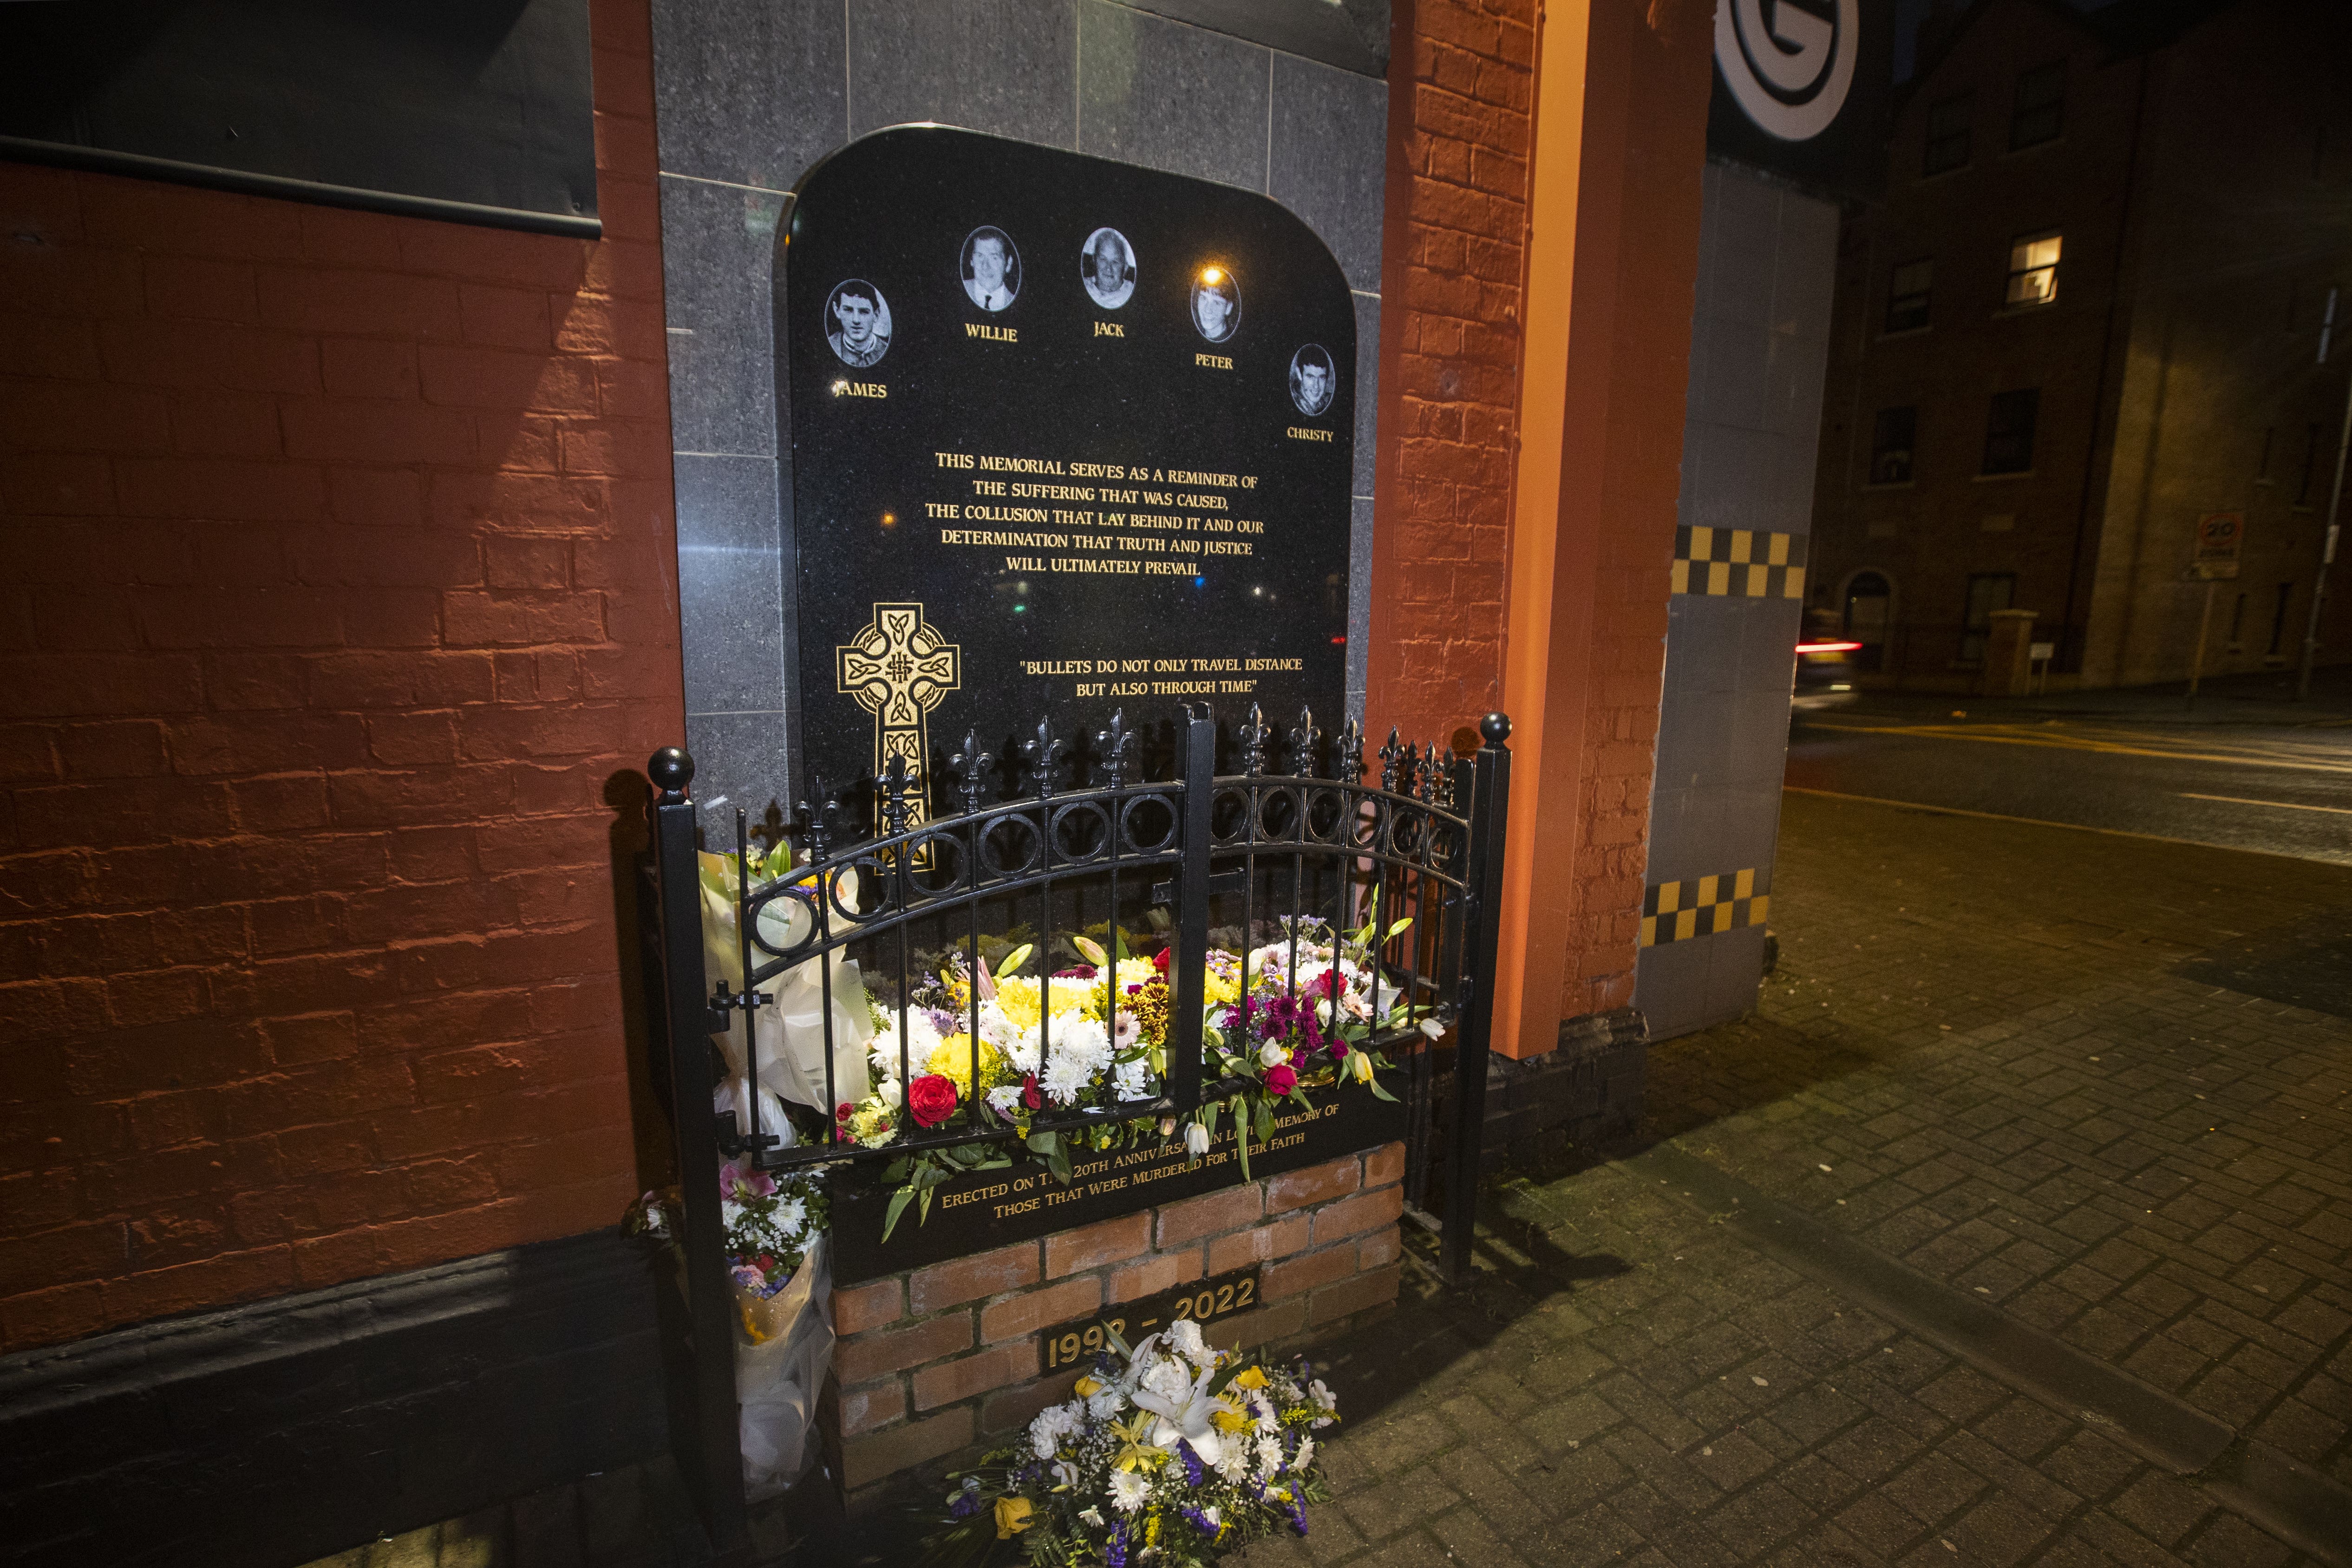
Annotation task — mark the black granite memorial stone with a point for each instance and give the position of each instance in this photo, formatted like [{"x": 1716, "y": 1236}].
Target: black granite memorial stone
[{"x": 1068, "y": 436}]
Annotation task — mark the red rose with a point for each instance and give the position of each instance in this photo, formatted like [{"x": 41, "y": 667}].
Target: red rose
[
  {"x": 1031, "y": 1095},
  {"x": 1281, "y": 1080},
  {"x": 1159, "y": 960},
  {"x": 844, "y": 1114},
  {"x": 931, "y": 1098}
]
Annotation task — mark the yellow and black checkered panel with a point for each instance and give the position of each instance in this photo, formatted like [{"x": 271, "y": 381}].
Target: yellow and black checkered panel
[
  {"x": 1741, "y": 561},
  {"x": 1702, "y": 906}
]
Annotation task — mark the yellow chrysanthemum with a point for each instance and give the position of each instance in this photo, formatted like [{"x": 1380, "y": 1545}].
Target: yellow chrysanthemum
[
  {"x": 951, "y": 1059},
  {"x": 1222, "y": 991},
  {"x": 1017, "y": 999},
  {"x": 1226, "y": 1418}
]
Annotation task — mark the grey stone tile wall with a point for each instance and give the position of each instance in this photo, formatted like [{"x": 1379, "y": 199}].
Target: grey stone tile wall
[
  {"x": 749, "y": 93},
  {"x": 1759, "y": 345}
]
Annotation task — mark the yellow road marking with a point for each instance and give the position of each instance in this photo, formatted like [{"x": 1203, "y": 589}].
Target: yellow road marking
[
  {"x": 2058, "y": 740},
  {"x": 2281, "y": 804}
]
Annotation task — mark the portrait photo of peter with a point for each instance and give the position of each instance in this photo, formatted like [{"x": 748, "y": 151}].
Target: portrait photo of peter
[
  {"x": 991, "y": 268},
  {"x": 857, "y": 323},
  {"x": 1107, "y": 266},
  {"x": 1311, "y": 381},
  {"x": 1216, "y": 304}
]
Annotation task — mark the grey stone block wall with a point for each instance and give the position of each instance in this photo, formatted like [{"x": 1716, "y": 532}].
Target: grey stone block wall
[
  {"x": 1760, "y": 346},
  {"x": 749, "y": 93}
]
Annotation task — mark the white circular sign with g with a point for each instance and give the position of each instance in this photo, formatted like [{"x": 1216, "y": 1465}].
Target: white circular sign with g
[{"x": 1787, "y": 67}]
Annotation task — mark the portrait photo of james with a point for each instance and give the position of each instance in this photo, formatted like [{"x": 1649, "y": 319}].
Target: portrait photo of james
[
  {"x": 1311, "y": 381},
  {"x": 857, "y": 323},
  {"x": 1216, "y": 304},
  {"x": 1107, "y": 264},
  {"x": 991, "y": 268}
]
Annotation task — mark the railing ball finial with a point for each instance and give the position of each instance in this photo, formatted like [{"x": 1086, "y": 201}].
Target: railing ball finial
[
  {"x": 1495, "y": 727},
  {"x": 671, "y": 769}
]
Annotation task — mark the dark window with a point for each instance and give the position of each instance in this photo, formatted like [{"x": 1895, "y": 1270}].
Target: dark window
[
  {"x": 2310, "y": 463},
  {"x": 2009, "y": 431},
  {"x": 1947, "y": 134},
  {"x": 2039, "y": 112},
  {"x": 1890, "y": 446},
  {"x": 2033, "y": 268},
  {"x": 1988, "y": 592},
  {"x": 2278, "y": 618},
  {"x": 1907, "y": 296}
]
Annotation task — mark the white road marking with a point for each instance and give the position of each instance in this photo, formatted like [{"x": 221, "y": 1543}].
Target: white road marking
[{"x": 2281, "y": 805}]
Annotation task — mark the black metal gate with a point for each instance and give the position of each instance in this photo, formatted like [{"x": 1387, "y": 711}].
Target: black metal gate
[{"x": 1278, "y": 850}]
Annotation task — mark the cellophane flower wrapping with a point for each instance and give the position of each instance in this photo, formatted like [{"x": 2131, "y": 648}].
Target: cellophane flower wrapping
[{"x": 1174, "y": 1455}]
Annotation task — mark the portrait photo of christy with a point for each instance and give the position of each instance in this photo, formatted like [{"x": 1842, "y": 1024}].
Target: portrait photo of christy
[
  {"x": 1311, "y": 382},
  {"x": 991, "y": 268},
  {"x": 1107, "y": 266},
  {"x": 857, "y": 323}
]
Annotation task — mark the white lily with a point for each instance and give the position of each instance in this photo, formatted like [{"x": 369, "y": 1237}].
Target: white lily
[{"x": 1183, "y": 1418}]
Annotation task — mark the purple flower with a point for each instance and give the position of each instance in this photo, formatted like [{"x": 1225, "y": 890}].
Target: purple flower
[
  {"x": 965, "y": 1505},
  {"x": 1115, "y": 1549},
  {"x": 1298, "y": 1516},
  {"x": 1191, "y": 1461},
  {"x": 1200, "y": 1522}
]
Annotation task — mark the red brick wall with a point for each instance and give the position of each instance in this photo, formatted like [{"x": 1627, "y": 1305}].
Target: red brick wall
[
  {"x": 340, "y": 582},
  {"x": 1461, "y": 93},
  {"x": 934, "y": 1361}
]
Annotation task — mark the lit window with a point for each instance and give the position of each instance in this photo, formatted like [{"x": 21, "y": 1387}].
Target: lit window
[
  {"x": 2039, "y": 112},
  {"x": 2033, "y": 270},
  {"x": 1890, "y": 446},
  {"x": 1907, "y": 296},
  {"x": 1947, "y": 134},
  {"x": 2009, "y": 431}
]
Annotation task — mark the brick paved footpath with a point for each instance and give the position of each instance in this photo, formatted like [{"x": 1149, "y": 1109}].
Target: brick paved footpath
[{"x": 1974, "y": 1025}]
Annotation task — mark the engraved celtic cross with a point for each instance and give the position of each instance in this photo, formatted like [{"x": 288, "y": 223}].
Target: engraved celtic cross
[{"x": 898, "y": 667}]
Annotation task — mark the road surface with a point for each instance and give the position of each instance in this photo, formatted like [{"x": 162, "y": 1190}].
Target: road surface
[{"x": 2283, "y": 788}]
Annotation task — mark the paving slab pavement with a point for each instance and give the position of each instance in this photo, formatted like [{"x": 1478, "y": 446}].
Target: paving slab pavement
[{"x": 1978, "y": 1073}]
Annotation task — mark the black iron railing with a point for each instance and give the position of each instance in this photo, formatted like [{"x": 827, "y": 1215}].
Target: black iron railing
[{"x": 1284, "y": 846}]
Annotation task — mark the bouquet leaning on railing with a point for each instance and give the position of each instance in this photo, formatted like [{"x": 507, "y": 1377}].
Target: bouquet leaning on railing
[{"x": 1173, "y": 1456}]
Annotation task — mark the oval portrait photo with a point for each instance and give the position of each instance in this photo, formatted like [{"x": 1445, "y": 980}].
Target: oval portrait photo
[
  {"x": 1312, "y": 380},
  {"x": 1107, "y": 264},
  {"x": 991, "y": 267},
  {"x": 1216, "y": 304},
  {"x": 857, "y": 323}
]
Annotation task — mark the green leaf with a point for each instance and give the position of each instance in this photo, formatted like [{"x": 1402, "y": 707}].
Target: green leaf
[
  {"x": 923, "y": 1207},
  {"x": 1044, "y": 1143},
  {"x": 1373, "y": 1083},
  {"x": 898, "y": 1206}
]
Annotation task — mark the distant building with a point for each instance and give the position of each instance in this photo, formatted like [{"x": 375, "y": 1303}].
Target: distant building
[{"x": 2089, "y": 313}]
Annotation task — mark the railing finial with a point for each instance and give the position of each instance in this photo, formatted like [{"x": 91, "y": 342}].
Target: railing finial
[
  {"x": 1043, "y": 756},
  {"x": 1395, "y": 756},
  {"x": 1254, "y": 736},
  {"x": 1117, "y": 743},
  {"x": 817, "y": 821},
  {"x": 671, "y": 769},
  {"x": 895, "y": 787},
  {"x": 1494, "y": 729},
  {"x": 1306, "y": 742},
  {"x": 1351, "y": 752},
  {"x": 971, "y": 765}
]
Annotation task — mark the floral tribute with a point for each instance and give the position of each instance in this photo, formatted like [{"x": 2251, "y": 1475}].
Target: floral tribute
[
  {"x": 769, "y": 1224},
  {"x": 1174, "y": 1457},
  {"x": 1290, "y": 1015}
]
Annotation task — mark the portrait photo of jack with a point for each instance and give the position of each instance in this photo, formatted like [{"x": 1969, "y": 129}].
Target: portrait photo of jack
[
  {"x": 1311, "y": 381},
  {"x": 858, "y": 322},
  {"x": 991, "y": 268},
  {"x": 1107, "y": 266},
  {"x": 1216, "y": 304}
]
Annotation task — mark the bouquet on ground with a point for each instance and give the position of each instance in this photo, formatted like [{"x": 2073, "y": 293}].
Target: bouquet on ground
[
  {"x": 1175, "y": 1456},
  {"x": 769, "y": 1224}
]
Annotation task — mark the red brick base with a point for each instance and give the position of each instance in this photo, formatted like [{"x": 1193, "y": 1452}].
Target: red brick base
[{"x": 944, "y": 1359}]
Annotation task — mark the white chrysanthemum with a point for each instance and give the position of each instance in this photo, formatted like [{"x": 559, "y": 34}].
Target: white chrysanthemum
[
  {"x": 731, "y": 1214},
  {"x": 1127, "y": 1490},
  {"x": 1234, "y": 1462},
  {"x": 921, "y": 1041},
  {"x": 1106, "y": 1403},
  {"x": 1066, "y": 1079},
  {"x": 1132, "y": 1080},
  {"x": 1050, "y": 1425},
  {"x": 1269, "y": 1455},
  {"x": 1006, "y": 1098},
  {"x": 1306, "y": 1456},
  {"x": 792, "y": 1216}
]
